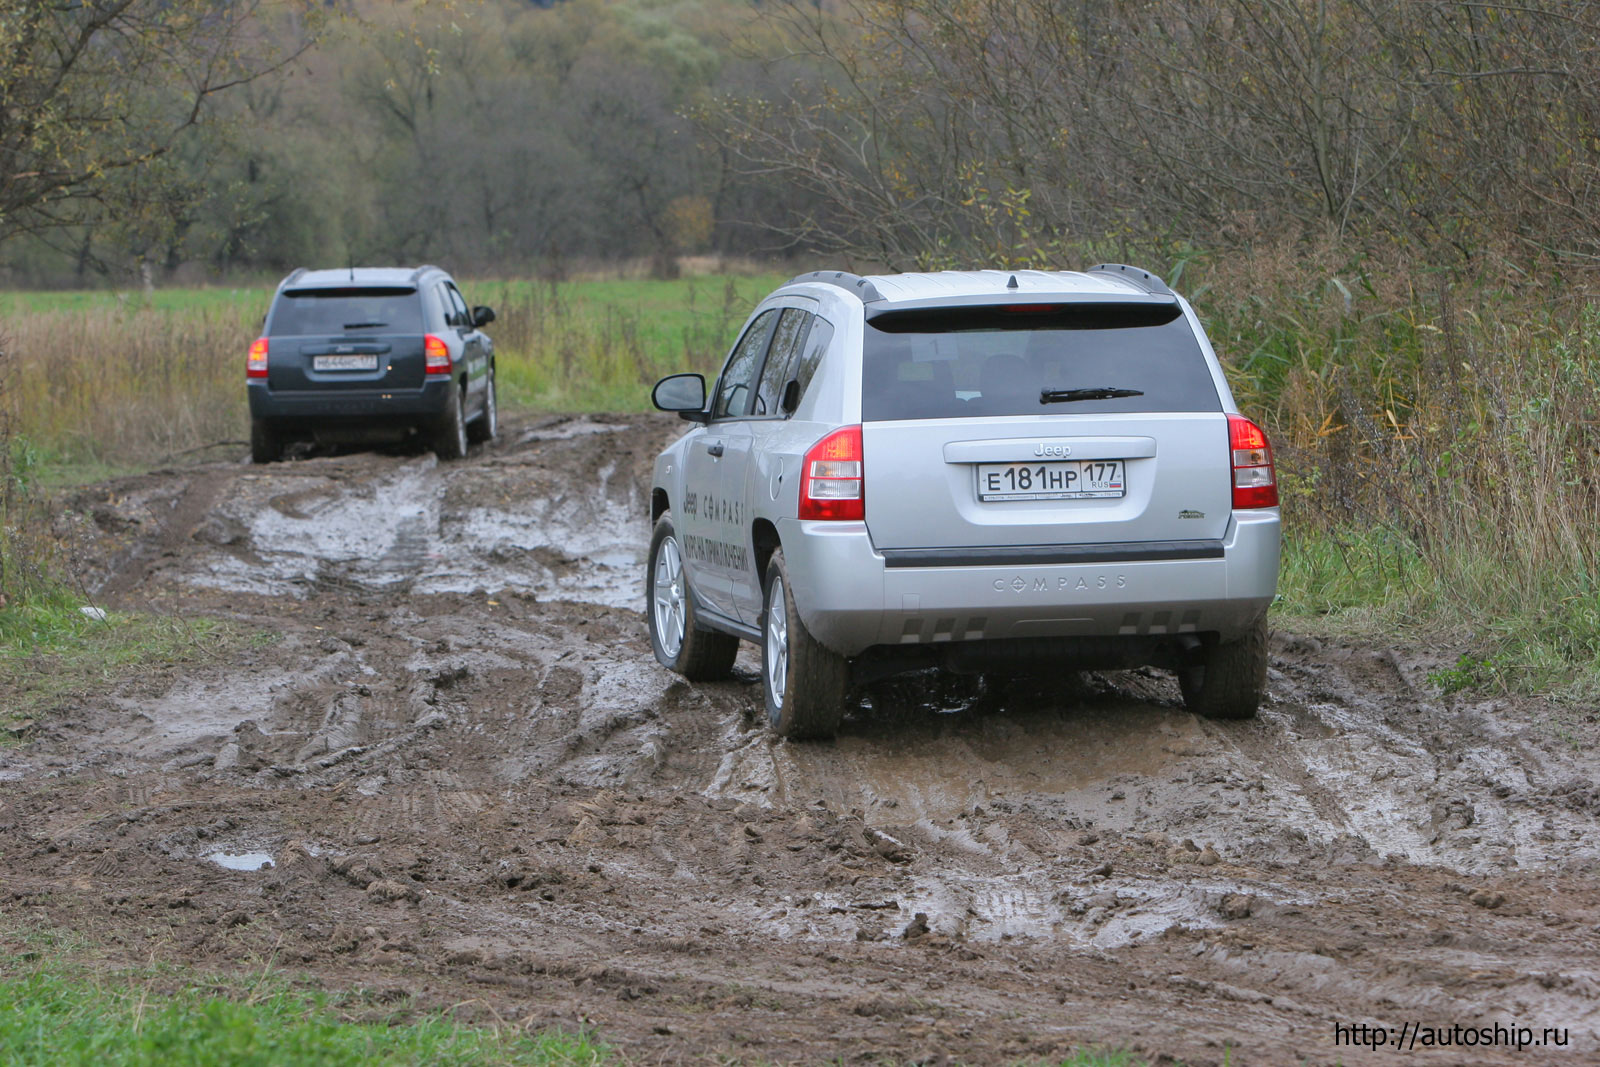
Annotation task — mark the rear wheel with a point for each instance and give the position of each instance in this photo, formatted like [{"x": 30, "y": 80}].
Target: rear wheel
[
  {"x": 804, "y": 682},
  {"x": 265, "y": 444},
  {"x": 1228, "y": 681},
  {"x": 698, "y": 655},
  {"x": 450, "y": 436},
  {"x": 487, "y": 425}
]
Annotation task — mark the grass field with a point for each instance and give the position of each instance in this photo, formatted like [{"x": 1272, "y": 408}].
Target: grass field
[{"x": 599, "y": 345}]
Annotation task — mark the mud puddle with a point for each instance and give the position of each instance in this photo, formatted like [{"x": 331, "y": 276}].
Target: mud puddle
[
  {"x": 241, "y": 861},
  {"x": 536, "y": 517},
  {"x": 474, "y": 785}
]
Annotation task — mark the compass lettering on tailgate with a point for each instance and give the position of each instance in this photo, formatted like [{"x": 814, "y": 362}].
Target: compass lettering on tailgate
[{"x": 1061, "y": 583}]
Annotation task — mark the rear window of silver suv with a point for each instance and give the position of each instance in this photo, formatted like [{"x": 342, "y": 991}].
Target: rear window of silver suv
[{"x": 1032, "y": 359}]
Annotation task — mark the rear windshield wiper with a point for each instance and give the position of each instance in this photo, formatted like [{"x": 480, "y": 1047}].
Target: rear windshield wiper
[
  {"x": 1099, "y": 392},
  {"x": 363, "y": 325}
]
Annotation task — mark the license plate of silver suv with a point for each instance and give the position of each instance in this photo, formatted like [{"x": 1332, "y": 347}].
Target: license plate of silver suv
[
  {"x": 1083, "y": 480},
  {"x": 985, "y": 472}
]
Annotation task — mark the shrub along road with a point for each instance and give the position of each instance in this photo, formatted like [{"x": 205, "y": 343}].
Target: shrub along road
[{"x": 474, "y": 785}]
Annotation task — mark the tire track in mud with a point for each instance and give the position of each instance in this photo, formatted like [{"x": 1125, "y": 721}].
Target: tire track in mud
[
  {"x": 476, "y": 785},
  {"x": 177, "y": 513}
]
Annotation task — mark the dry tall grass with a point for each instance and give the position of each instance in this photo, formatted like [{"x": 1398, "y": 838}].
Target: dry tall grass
[
  {"x": 1456, "y": 419},
  {"x": 128, "y": 387},
  {"x": 1440, "y": 448}
]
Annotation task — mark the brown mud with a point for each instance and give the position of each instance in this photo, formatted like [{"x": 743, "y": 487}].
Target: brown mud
[{"x": 456, "y": 772}]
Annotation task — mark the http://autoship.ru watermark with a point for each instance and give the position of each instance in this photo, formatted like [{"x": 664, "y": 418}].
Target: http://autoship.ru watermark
[{"x": 1414, "y": 1035}]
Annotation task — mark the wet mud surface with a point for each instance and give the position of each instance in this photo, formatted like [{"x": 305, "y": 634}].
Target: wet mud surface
[{"x": 455, "y": 772}]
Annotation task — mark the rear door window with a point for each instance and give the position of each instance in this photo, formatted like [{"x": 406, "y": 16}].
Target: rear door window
[
  {"x": 733, "y": 388},
  {"x": 441, "y": 303},
  {"x": 776, "y": 372},
  {"x": 941, "y": 363},
  {"x": 458, "y": 307},
  {"x": 334, "y": 311},
  {"x": 817, "y": 342}
]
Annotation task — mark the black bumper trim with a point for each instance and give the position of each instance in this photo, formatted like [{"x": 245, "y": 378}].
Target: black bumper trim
[
  {"x": 416, "y": 402},
  {"x": 1041, "y": 555}
]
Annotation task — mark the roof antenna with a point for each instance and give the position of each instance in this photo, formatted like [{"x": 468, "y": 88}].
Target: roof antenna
[
  {"x": 351, "y": 259},
  {"x": 1012, "y": 284}
]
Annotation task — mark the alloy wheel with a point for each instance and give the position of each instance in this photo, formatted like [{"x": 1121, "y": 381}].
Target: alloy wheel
[
  {"x": 461, "y": 426},
  {"x": 667, "y": 597},
  {"x": 777, "y": 659}
]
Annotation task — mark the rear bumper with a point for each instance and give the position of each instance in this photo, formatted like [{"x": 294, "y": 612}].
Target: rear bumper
[
  {"x": 427, "y": 402},
  {"x": 851, "y": 599}
]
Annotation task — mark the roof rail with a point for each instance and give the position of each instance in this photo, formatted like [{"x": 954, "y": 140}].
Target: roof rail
[
  {"x": 851, "y": 283},
  {"x": 1142, "y": 278},
  {"x": 417, "y": 274},
  {"x": 293, "y": 275}
]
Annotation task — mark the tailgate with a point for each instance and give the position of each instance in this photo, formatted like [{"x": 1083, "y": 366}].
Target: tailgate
[
  {"x": 926, "y": 480},
  {"x": 346, "y": 338},
  {"x": 1024, "y": 425},
  {"x": 336, "y": 363}
]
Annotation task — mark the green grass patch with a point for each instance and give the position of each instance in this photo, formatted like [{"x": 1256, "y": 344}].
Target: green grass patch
[
  {"x": 49, "y": 468},
  {"x": 1102, "y": 1058},
  {"x": 1526, "y": 631},
  {"x": 58, "y": 1016},
  {"x": 54, "y": 1014},
  {"x": 1345, "y": 572},
  {"x": 600, "y": 345},
  {"x": 51, "y": 649}
]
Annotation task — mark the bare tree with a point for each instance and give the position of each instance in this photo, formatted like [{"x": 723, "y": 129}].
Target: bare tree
[
  {"x": 993, "y": 131},
  {"x": 93, "y": 91}
]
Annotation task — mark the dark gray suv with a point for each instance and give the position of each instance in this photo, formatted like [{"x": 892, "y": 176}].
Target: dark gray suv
[{"x": 371, "y": 354}]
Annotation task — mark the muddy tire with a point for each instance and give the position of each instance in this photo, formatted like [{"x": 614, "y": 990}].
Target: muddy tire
[
  {"x": 486, "y": 426},
  {"x": 265, "y": 444},
  {"x": 802, "y": 682},
  {"x": 699, "y": 655},
  {"x": 450, "y": 435},
  {"x": 1230, "y": 680}
]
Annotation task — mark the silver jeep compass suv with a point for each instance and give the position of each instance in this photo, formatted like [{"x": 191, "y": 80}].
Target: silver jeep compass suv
[{"x": 977, "y": 471}]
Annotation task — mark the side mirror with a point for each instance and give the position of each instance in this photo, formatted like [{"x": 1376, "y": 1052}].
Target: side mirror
[
  {"x": 791, "y": 396},
  {"x": 482, "y": 316},
  {"x": 683, "y": 393}
]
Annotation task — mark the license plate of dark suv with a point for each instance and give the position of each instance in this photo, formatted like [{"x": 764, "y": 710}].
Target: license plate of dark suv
[
  {"x": 1073, "y": 480},
  {"x": 344, "y": 363}
]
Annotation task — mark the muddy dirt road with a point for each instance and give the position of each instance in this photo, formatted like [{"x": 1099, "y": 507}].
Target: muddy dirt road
[{"x": 474, "y": 785}]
